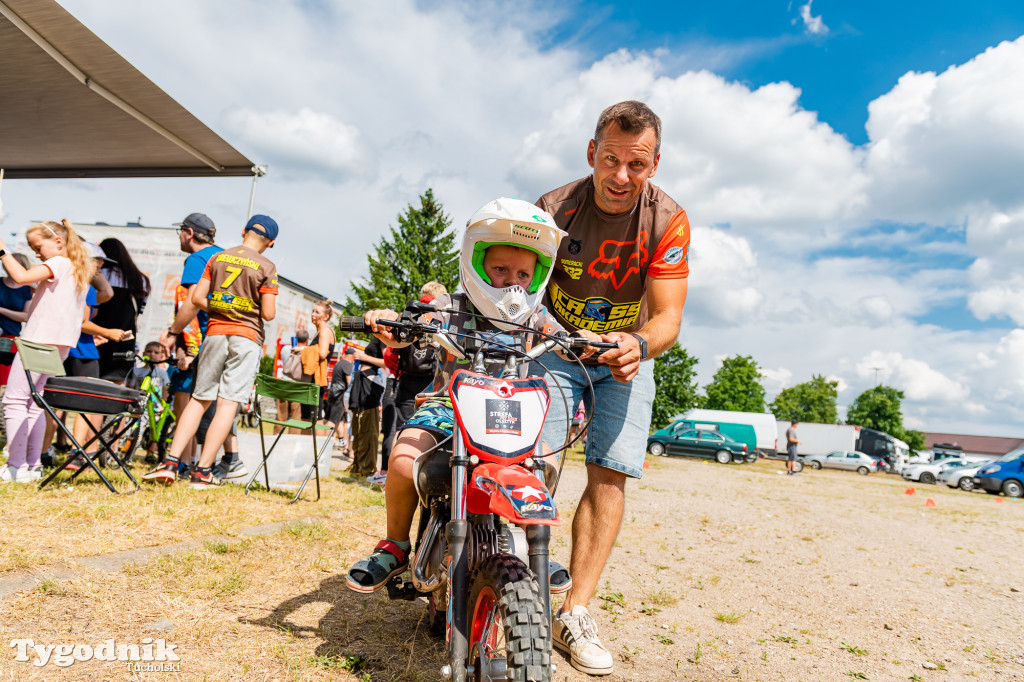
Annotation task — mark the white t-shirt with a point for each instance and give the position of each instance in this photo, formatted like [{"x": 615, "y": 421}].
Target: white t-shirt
[{"x": 55, "y": 311}]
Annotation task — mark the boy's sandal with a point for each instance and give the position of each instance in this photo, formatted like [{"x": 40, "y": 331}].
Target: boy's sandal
[
  {"x": 559, "y": 580},
  {"x": 369, "y": 575}
]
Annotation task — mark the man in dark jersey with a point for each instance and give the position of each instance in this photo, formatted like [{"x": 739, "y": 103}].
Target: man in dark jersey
[{"x": 622, "y": 273}]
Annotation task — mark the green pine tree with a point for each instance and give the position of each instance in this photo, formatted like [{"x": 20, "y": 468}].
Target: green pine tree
[{"x": 421, "y": 249}]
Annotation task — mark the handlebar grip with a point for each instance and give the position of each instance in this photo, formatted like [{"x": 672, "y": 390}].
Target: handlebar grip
[
  {"x": 602, "y": 344},
  {"x": 352, "y": 324}
]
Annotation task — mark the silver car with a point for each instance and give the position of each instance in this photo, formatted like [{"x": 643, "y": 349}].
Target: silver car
[
  {"x": 929, "y": 473},
  {"x": 851, "y": 460},
  {"x": 959, "y": 476}
]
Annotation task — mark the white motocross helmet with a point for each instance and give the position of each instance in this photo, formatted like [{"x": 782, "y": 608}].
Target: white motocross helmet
[{"x": 512, "y": 222}]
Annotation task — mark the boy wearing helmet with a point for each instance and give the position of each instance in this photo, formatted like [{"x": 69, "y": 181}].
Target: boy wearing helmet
[{"x": 504, "y": 266}]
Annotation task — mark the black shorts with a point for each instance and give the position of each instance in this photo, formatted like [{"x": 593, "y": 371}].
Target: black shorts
[{"x": 82, "y": 367}]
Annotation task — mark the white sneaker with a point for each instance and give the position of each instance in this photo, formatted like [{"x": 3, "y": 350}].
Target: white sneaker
[
  {"x": 9, "y": 474},
  {"x": 378, "y": 478},
  {"x": 34, "y": 474},
  {"x": 575, "y": 633}
]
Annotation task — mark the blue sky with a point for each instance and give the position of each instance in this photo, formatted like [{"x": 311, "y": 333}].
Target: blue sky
[
  {"x": 867, "y": 45},
  {"x": 851, "y": 171}
]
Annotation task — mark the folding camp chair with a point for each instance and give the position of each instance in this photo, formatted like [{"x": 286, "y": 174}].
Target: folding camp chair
[
  {"x": 298, "y": 392},
  {"x": 82, "y": 395}
]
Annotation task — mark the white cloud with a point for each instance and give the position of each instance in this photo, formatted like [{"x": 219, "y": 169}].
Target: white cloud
[
  {"x": 723, "y": 269},
  {"x": 945, "y": 144},
  {"x": 812, "y": 24},
  {"x": 305, "y": 142},
  {"x": 358, "y": 110}
]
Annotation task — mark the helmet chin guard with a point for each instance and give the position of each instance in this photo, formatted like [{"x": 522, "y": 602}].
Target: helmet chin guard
[{"x": 511, "y": 222}]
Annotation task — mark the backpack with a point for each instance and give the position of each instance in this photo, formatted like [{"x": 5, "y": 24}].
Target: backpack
[{"x": 291, "y": 368}]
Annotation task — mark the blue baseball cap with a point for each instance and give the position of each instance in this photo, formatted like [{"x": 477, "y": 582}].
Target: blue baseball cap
[{"x": 264, "y": 225}]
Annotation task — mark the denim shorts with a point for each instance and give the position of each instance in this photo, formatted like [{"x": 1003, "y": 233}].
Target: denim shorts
[{"x": 617, "y": 436}]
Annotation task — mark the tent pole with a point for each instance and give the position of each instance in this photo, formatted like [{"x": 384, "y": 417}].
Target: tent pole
[{"x": 257, "y": 171}]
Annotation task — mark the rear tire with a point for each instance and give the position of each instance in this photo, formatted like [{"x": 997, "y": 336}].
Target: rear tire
[
  {"x": 509, "y": 636},
  {"x": 927, "y": 477},
  {"x": 128, "y": 443},
  {"x": 656, "y": 449},
  {"x": 965, "y": 483},
  {"x": 863, "y": 471},
  {"x": 815, "y": 464},
  {"x": 723, "y": 456},
  {"x": 1013, "y": 488}
]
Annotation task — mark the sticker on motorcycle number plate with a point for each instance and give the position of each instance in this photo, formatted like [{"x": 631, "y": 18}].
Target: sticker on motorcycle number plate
[{"x": 504, "y": 416}]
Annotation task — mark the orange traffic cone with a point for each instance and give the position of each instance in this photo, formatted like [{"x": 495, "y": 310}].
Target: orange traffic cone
[
  {"x": 909, "y": 491},
  {"x": 999, "y": 500},
  {"x": 647, "y": 465},
  {"x": 929, "y": 502}
]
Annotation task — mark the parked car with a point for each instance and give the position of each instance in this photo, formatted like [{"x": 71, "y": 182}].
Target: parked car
[
  {"x": 1006, "y": 474},
  {"x": 699, "y": 443},
  {"x": 959, "y": 476},
  {"x": 929, "y": 473},
  {"x": 850, "y": 460}
]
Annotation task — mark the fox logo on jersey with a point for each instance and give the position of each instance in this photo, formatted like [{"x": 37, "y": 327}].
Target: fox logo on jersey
[{"x": 618, "y": 260}]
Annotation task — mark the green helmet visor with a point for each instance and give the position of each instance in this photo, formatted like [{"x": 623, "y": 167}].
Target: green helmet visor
[{"x": 539, "y": 274}]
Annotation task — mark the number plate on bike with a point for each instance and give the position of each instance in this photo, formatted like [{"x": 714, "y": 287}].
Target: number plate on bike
[{"x": 500, "y": 419}]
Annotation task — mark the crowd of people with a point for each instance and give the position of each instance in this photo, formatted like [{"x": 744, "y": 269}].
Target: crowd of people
[{"x": 604, "y": 256}]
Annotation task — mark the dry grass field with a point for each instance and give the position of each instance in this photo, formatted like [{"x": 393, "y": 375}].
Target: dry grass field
[{"x": 720, "y": 573}]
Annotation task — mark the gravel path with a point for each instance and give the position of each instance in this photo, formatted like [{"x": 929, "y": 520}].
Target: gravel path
[{"x": 739, "y": 572}]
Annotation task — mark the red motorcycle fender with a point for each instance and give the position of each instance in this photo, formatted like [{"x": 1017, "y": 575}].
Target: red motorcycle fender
[{"x": 512, "y": 493}]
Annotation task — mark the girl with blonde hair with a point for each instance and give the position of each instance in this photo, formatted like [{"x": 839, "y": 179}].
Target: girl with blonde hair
[
  {"x": 54, "y": 318},
  {"x": 316, "y": 356}
]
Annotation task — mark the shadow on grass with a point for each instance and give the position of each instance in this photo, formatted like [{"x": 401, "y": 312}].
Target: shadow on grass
[{"x": 367, "y": 634}]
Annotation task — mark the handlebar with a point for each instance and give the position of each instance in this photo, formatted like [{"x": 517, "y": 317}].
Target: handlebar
[{"x": 407, "y": 330}]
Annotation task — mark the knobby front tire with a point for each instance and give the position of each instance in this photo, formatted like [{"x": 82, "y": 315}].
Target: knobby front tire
[{"x": 506, "y": 617}]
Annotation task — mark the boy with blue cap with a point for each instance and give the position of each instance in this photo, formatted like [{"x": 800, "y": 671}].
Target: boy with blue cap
[{"x": 237, "y": 290}]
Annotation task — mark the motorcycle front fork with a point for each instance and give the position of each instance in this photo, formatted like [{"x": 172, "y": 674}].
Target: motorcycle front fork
[{"x": 538, "y": 538}]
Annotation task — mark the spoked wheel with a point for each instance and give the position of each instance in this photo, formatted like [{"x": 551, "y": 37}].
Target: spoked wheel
[
  {"x": 164, "y": 440},
  {"x": 125, "y": 445},
  {"x": 510, "y": 639},
  {"x": 656, "y": 449},
  {"x": 132, "y": 439},
  {"x": 723, "y": 456}
]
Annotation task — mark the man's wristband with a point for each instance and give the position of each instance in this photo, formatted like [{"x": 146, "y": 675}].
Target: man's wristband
[
  {"x": 3, "y": 252},
  {"x": 643, "y": 344}
]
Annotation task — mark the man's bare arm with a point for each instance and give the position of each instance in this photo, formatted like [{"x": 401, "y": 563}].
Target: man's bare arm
[
  {"x": 185, "y": 313},
  {"x": 665, "y": 301},
  {"x": 199, "y": 293}
]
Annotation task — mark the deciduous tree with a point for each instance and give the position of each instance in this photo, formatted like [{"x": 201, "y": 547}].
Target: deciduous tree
[
  {"x": 736, "y": 386},
  {"x": 811, "y": 401},
  {"x": 675, "y": 385},
  {"x": 881, "y": 408}
]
